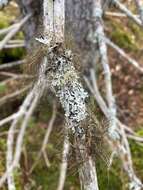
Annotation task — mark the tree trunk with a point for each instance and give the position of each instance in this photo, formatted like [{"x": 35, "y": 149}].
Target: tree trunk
[
  {"x": 33, "y": 26},
  {"x": 78, "y": 24}
]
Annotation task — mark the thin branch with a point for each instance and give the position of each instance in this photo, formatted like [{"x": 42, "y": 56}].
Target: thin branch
[
  {"x": 135, "y": 138},
  {"x": 9, "y": 159},
  {"x": 16, "y": 42},
  {"x": 98, "y": 34},
  {"x": 9, "y": 74},
  {"x": 13, "y": 162},
  {"x": 117, "y": 14},
  {"x": 16, "y": 78},
  {"x": 46, "y": 139},
  {"x": 122, "y": 147},
  {"x": 25, "y": 111},
  {"x": 124, "y": 55},
  {"x": 94, "y": 90},
  {"x": 64, "y": 164},
  {"x": 4, "y": 99},
  {"x": 14, "y": 31},
  {"x": 12, "y": 64},
  {"x": 8, "y": 119},
  {"x": 139, "y": 5},
  {"x": 127, "y": 12},
  {"x": 6, "y": 30},
  {"x": 10, "y": 46}
]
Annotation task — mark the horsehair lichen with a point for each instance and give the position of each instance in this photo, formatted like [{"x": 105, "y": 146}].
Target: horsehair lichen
[
  {"x": 65, "y": 81},
  {"x": 82, "y": 122},
  {"x": 95, "y": 142}
]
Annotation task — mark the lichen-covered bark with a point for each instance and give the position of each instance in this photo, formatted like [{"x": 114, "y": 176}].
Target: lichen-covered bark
[
  {"x": 62, "y": 77},
  {"x": 65, "y": 81}
]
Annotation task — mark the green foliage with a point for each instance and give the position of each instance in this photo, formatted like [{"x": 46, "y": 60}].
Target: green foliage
[
  {"x": 4, "y": 20},
  {"x": 2, "y": 144},
  {"x": 140, "y": 131},
  {"x": 123, "y": 38},
  {"x": 18, "y": 177},
  {"x": 137, "y": 153},
  {"x": 31, "y": 123},
  {"x": 47, "y": 177},
  {"x": 138, "y": 33},
  {"x": 3, "y": 88},
  {"x": 109, "y": 179},
  {"x": 2, "y": 156},
  {"x": 8, "y": 55}
]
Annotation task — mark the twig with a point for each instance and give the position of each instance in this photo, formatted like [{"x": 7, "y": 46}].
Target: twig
[
  {"x": 122, "y": 147},
  {"x": 98, "y": 32},
  {"x": 14, "y": 31},
  {"x": 25, "y": 111},
  {"x": 13, "y": 162},
  {"x": 5, "y": 133},
  {"x": 64, "y": 164},
  {"x": 127, "y": 12},
  {"x": 135, "y": 138},
  {"x": 123, "y": 54},
  {"x": 12, "y": 64},
  {"x": 6, "y": 30},
  {"x": 8, "y": 119},
  {"x": 46, "y": 158},
  {"x": 46, "y": 139},
  {"x": 9, "y": 74},
  {"x": 15, "y": 78},
  {"x": 12, "y": 95},
  {"x": 16, "y": 42},
  {"x": 9, "y": 159},
  {"x": 94, "y": 90},
  {"x": 139, "y": 5},
  {"x": 9, "y": 46},
  {"x": 117, "y": 14}
]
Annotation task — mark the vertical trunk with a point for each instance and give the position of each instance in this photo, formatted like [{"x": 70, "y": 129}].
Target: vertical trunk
[
  {"x": 33, "y": 7},
  {"x": 87, "y": 170},
  {"x": 78, "y": 23}
]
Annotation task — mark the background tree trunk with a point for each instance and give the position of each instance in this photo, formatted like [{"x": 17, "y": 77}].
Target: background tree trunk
[
  {"x": 33, "y": 26},
  {"x": 78, "y": 25}
]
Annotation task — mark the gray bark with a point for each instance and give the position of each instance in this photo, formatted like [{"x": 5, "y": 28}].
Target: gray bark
[
  {"x": 31, "y": 28},
  {"x": 78, "y": 24}
]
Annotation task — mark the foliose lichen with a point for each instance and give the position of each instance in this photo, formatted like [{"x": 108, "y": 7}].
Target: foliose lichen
[{"x": 65, "y": 81}]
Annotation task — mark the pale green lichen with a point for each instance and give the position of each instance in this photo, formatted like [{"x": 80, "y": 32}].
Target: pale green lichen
[{"x": 64, "y": 80}]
